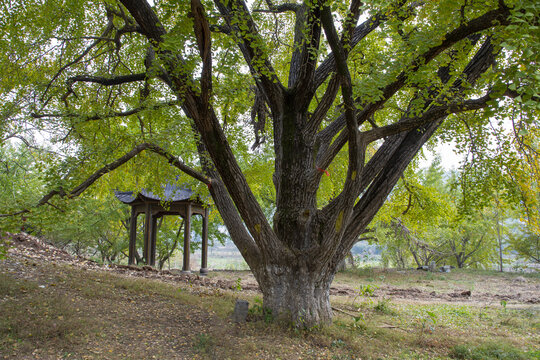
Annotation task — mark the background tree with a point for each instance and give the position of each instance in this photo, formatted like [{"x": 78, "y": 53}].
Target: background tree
[
  {"x": 425, "y": 217},
  {"x": 352, "y": 90},
  {"x": 500, "y": 173},
  {"x": 415, "y": 214},
  {"x": 20, "y": 185},
  {"x": 470, "y": 241},
  {"x": 527, "y": 245}
]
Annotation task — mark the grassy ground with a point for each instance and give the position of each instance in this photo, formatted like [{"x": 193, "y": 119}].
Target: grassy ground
[
  {"x": 51, "y": 311},
  {"x": 505, "y": 285}
]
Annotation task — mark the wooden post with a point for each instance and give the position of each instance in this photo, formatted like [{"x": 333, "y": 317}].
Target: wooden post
[
  {"x": 132, "y": 236},
  {"x": 187, "y": 234},
  {"x": 204, "y": 247},
  {"x": 153, "y": 235},
  {"x": 147, "y": 233}
]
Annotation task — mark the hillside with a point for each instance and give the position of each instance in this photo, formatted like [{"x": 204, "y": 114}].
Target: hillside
[{"x": 54, "y": 305}]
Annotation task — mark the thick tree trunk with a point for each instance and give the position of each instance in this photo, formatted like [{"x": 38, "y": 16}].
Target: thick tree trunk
[{"x": 298, "y": 296}]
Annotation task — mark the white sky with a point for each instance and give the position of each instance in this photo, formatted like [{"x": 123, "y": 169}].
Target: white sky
[{"x": 449, "y": 159}]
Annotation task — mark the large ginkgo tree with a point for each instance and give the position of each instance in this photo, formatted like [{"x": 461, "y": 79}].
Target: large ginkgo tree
[{"x": 298, "y": 116}]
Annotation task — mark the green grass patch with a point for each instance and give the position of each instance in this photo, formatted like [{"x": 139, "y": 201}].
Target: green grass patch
[
  {"x": 384, "y": 306},
  {"x": 205, "y": 344},
  {"x": 489, "y": 351}
]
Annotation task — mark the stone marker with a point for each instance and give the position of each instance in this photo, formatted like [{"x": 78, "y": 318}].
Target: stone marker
[
  {"x": 240, "y": 311},
  {"x": 432, "y": 266}
]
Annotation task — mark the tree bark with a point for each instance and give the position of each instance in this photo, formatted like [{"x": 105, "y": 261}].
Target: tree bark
[
  {"x": 499, "y": 240},
  {"x": 298, "y": 295}
]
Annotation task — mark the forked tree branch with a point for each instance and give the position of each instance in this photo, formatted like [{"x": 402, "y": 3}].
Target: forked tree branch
[
  {"x": 355, "y": 34},
  {"x": 333, "y": 86},
  {"x": 208, "y": 126},
  {"x": 359, "y": 33},
  {"x": 107, "y": 81},
  {"x": 307, "y": 36},
  {"x": 405, "y": 147},
  {"x": 235, "y": 11},
  {"x": 108, "y": 29}
]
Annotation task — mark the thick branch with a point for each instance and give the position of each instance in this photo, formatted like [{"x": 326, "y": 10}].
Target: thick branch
[
  {"x": 361, "y": 31},
  {"x": 204, "y": 42},
  {"x": 404, "y": 147},
  {"x": 333, "y": 86},
  {"x": 481, "y": 23},
  {"x": 146, "y": 18},
  {"x": 151, "y": 27},
  {"x": 356, "y": 143},
  {"x": 306, "y": 43},
  {"x": 250, "y": 46},
  {"x": 223, "y": 158},
  {"x": 433, "y": 113},
  {"x": 352, "y": 36},
  {"x": 277, "y": 9},
  {"x": 78, "y": 190},
  {"x": 327, "y": 100},
  {"x": 205, "y": 119},
  {"x": 107, "y": 81},
  {"x": 229, "y": 212},
  {"x": 105, "y": 115}
]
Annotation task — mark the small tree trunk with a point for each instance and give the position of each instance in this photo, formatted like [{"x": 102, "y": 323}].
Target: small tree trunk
[
  {"x": 499, "y": 240},
  {"x": 415, "y": 257},
  {"x": 350, "y": 258},
  {"x": 459, "y": 260},
  {"x": 138, "y": 258},
  {"x": 298, "y": 296}
]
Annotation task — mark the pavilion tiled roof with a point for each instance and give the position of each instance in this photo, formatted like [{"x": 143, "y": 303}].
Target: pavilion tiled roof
[{"x": 171, "y": 193}]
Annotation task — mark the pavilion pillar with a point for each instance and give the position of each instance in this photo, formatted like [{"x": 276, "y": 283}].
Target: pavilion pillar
[
  {"x": 187, "y": 240},
  {"x": 204, "y": 250},
  {"x": 153, "y": 235},
  {"x": 132, "y": 236},
  {"x": 147, "y": 233}
]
